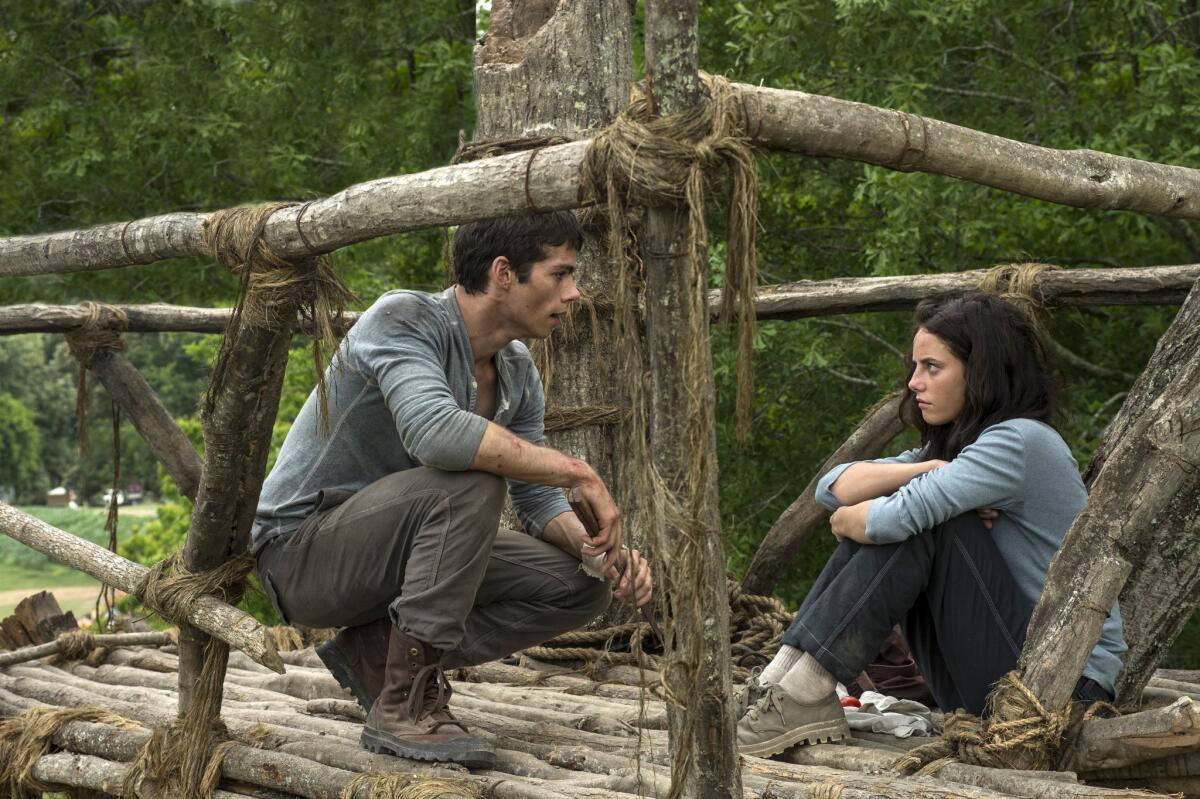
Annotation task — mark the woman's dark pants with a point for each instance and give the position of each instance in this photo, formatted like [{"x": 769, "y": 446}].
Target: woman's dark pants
[{"x": 954, "y": 597}]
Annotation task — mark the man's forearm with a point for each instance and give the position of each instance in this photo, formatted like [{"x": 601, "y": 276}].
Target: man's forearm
[
  {"x": 503, "y": 453},
  {"x": 864, "y": 481}
]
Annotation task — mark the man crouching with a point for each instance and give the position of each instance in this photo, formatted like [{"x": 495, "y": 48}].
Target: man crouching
[{"x": 389, "y": 525}]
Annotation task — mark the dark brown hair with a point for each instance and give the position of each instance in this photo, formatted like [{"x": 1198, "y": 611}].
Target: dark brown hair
[
  {"x": 521, "y": 239},
  {"x": 1005, "y": 370}
]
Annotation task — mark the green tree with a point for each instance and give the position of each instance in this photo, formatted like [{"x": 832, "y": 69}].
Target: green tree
[{"x": 21, "y": 475}]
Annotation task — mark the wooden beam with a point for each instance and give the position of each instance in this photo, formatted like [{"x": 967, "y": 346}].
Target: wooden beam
[
  {"x": 789, "y": 532},
  {"x": 549, "y": 179},
  {"x": 150, "y": 418},
  {"x": 1066, "y": 288},
  {"x": 235, "y": 627},
  {"x": 703, "y": 738}
]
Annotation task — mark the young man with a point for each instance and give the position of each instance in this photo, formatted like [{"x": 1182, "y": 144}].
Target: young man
[{"x": 389, "y": 525}]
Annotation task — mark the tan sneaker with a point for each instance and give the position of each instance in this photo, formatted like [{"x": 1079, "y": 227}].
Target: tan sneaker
[
  {"x": 746, "y": 695},
  {"x": 777, "y": 721}
]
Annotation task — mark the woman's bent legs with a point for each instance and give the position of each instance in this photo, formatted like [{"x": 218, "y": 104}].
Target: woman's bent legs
[{"x": 962, "y": 611}]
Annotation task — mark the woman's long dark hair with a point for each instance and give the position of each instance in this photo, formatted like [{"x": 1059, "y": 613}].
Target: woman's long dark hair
[{"x": 1006, "y": 372}]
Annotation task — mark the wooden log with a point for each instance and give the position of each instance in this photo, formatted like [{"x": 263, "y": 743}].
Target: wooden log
[
  {"x": 235, "y": 627},
  {"x": 702, "y": 727},
  {"x": 811, "y": 124},
  {"x": 1137, "y": 737},
  {"x": 96, "y": 774},
  {"x": 1143, "y": 498},
  {"x": 650, "y": 715},
  {"x": 106, "y": 640},
  {"x": 510, "y": 184},
  {"x": 1183, "y": 675},
  {"x": 41, "y": 616},
  {"x": 502, "y": 673},
  {"x": 1028, "y": 784},
  {"x": 1056, "y": 287},
  {"x": 1163, "y": 591},
  {"x": 819, "y": 781},
  {"x": 1181, "y": 765},
  {"x": 789, "y": 532},
  {"x": 150, "y": 418},
  {"x": 1147, "y": 285}
]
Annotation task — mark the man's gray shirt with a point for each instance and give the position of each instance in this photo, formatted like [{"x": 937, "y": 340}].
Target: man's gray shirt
[
  {"x": 401, "y": 395},
  {"x": 1024, "y": 469}
]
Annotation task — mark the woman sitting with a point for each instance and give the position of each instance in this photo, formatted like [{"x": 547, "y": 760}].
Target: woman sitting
[{"x": 951, "y": 540}]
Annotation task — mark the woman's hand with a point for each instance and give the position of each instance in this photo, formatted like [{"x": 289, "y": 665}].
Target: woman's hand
[
  {"x": 636, "y": 586},
  {"x": 988, "y": 515},
  {"x": 850, "y": 521}
]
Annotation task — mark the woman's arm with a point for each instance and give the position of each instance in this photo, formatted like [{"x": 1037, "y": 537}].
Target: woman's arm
[{"x": 868, "y": 480}]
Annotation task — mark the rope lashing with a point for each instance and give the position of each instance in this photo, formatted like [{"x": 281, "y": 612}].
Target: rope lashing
[
  {"x": 26, "y": 738},
  {"x": 172, "y": 591},
  {"x": 1020, "y": 733},
  {"x": 100, "y": 329},
  {"x": 274, "y": 290},
  {"x": 681, "y": 160},
  {"x": 570, "y": 417},
  {"x": 408, "y": 786}
]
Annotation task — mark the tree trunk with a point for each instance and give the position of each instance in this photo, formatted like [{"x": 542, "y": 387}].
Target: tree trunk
[
  {"x": 170, "y": 446},
  {"x": 1163, "y": 591},
  {"x": 1139, "y": 519},
  {"x": 703, "y": 740},
  {"x": 785, "y": 538},
  {"x": 562, "y": 69}
]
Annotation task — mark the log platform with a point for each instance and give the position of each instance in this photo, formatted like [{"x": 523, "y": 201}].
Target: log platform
[{"x": 558, "y": 734}]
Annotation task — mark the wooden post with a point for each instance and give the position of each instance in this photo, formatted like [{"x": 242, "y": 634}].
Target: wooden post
[
  {"x": 237, "y": 436},
  {"x": 703, "y": 734},
  {"x": 793, "y": 527},
  {"x": 126, "y": 385},
  {"x": 563, "y": 69},
  {"x": 1143, "y": 499}
]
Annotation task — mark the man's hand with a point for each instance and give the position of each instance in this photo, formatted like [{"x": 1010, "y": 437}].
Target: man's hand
[
  {"x": 591, "y": 498},
  {"x": 850, "y": 521},
  {"x": 636, "y": 586}
]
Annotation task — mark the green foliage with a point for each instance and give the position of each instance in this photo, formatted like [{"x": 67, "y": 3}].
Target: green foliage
[{"x": 20, "y": 450}]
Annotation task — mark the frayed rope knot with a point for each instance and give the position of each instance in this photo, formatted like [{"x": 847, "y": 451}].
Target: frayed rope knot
[
  {"x": 1020, "y": 733},
  {"x": 75, "y": 645},
  {"x": 273, "y": 290},
  {"x": 100, "y": 329},
  {"x": 171, "y": 590}
]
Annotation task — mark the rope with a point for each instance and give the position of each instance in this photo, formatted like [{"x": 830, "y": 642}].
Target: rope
[
  {"x": 76, "y": 645},
  {"x": 1017, "y": 285},
  {"x": 173, "y": 591},
  {"x": 100, "y": 329},
  {"x": 1019, "y": 733},
  {"x": 756, "y": 625},
  {"x": 273, "y": 290},
  {"x": 569, "y": 417},
  {"x": 407, "y": 786},
  {"x": 25, "y": 738}
]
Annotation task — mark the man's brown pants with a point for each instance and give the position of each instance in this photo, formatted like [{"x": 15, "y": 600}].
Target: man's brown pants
[{"x": 425, "y": 546}]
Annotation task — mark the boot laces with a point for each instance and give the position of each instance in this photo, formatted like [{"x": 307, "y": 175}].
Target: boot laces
[{"x": 430, "y": 696}]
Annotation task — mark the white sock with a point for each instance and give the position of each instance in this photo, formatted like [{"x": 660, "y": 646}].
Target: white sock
[
  {"x": 807, "y": 681},
  {"x": 784, "y": 659}
]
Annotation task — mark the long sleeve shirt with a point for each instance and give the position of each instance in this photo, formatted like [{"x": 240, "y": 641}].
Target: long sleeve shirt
[
  {"x": 1024, "y": 469},
  {"x": 401, "y": 395}
]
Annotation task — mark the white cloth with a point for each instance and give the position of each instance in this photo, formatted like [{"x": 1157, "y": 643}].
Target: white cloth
[{"x": 887, "y": 714}]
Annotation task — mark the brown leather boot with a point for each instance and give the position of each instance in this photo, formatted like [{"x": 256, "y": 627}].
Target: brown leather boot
[
  {"x": 357, "y": 658},
  {"x": 411, "y": 718}
]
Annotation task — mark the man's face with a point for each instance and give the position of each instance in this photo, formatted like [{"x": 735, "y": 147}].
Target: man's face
[{"x": 537, "y": 305}]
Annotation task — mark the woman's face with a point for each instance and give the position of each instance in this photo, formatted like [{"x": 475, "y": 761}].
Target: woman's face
[{"x": 940, "y": 380}]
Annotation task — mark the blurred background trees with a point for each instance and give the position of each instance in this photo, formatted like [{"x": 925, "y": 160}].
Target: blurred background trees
[{"x": 127, "y": 108}]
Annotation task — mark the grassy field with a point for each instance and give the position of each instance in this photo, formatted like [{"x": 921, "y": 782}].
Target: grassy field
[{"x": 24, "y": 571}]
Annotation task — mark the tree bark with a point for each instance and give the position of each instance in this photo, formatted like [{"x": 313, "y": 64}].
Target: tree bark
[
  {"x": 703, "y": 740},
  {"x": 235, "y": 627},
  {"x": 157, "y": 427},
  {"x": 789, "y": 532},
  {"x": 1143, "y": 500},
  {"x": 1146, "y": 285},
  {"x": 1136, "y": 738},
  {"x": 506, "y": 185},
  {"x": 563, "y": 69},
  {"x": 1163, "y": 591}
]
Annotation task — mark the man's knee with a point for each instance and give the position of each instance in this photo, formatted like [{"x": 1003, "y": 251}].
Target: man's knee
[{"x": 486, "y": 491}]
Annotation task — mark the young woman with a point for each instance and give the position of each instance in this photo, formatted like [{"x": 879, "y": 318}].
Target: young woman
[{"x": 951, "y": 540}]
